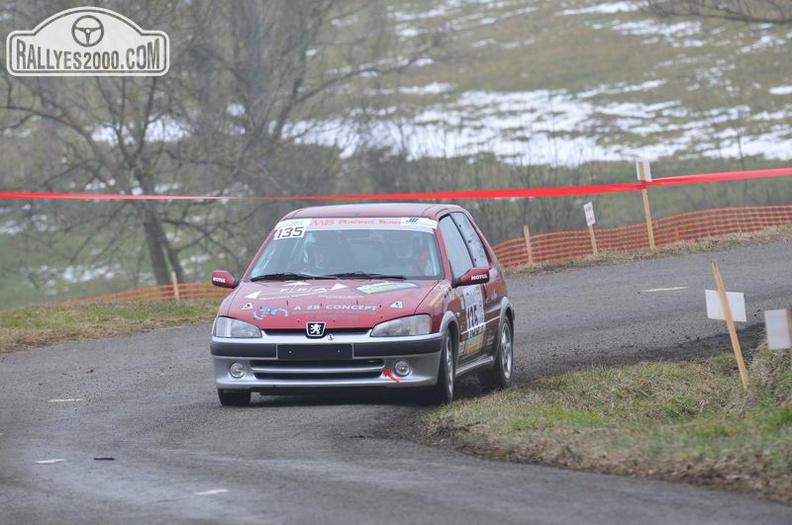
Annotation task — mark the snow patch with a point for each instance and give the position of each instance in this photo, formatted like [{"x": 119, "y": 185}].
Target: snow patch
[
  {"x": 554, "y": 127},
  {"x": 603, "y": 8},
  {"x": 781, "y": 90}
]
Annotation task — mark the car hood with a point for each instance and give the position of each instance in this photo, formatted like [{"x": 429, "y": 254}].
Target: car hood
[{"x": 339, "y": 303}]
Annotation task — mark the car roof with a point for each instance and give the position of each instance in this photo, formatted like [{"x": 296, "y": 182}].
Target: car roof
[{"x": 391, "y": 209}]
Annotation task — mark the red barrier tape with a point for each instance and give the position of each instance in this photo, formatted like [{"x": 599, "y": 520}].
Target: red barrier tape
[
  {"x": 720, "y": 177},
  {"x": 437, "y": 195}
]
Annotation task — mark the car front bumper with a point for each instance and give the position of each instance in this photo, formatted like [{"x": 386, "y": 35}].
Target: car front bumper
[{"x": 293, "y": 363}]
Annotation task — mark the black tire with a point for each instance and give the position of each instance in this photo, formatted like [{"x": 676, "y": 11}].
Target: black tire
[
  {"x": 443, "y": 392},
  {"x": 233, "y": 398},
  {"x": 500, "y": 375}
]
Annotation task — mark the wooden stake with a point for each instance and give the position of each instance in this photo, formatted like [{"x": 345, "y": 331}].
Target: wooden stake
[
  {"x": 593, "y": 240},
  {"x": 527, "y": 235},
  {"x": 730, "y": 324},
  {"x": 789, "y": 326},
  {"x": 175, "y": 284},
  {"x": 647, "y": 209}
]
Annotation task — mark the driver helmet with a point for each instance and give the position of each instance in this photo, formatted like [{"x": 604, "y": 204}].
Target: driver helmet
[
  {"x": 319, "y": 252},
  {"x": 403, "y": 244}
]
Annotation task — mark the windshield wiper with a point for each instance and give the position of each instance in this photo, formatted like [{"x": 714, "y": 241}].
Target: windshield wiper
[
  {"x": 364, "y": 275},
  {"x": 286, "y": 277}
]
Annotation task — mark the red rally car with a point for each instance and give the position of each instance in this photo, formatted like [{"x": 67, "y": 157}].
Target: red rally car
[{"x": 365, "y": 296}]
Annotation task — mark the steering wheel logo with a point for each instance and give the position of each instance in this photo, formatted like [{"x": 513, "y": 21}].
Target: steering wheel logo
[{"x": 87, "y": 31}]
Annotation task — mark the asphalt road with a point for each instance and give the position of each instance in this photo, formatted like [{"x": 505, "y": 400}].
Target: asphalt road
[{"x": 131, "y": 430}]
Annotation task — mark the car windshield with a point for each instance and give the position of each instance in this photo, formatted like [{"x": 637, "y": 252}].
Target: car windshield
[{"x": 360, "y": 248}]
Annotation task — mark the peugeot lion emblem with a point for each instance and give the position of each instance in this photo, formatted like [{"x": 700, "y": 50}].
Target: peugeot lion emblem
[{"x": 315, "y": 329}]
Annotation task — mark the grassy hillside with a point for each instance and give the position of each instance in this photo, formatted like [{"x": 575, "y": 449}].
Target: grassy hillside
[
  {"x": 597, "y": 80},
  {"x": 521, "y": 93}
]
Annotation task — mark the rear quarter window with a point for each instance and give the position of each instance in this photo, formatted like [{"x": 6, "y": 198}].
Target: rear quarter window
[
  {"x": 472, "y": 240},
  {"x": 456, "y": 248}
]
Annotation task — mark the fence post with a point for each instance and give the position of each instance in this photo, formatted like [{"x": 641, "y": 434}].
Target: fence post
[
  {"x": 591, "y": 220},
  {"x": 175, "y": 286},
  {"x": 645, "y": 175},
  {"x": 593, "y": 241},
  {"x": 730, "y": 324},
  {"x": 527, "y": 236}
]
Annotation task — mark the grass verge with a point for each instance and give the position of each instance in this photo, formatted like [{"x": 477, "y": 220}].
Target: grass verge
[
  {"x": 687, "y": 422},
  {"x": 44, "y": 325}
]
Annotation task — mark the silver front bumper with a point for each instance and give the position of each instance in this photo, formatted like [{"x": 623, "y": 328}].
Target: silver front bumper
[{"x": 269, "y": 367}]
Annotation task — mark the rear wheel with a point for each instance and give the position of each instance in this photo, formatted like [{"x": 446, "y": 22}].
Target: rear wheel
[
  {"x": 443, "y": 392},
  {"x": 233, "y": 398},
  {"x": 500, "y": 375}
]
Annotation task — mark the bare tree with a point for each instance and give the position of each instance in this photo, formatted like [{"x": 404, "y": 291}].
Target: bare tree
[
  {"x": 755, "y": 11},
  {"x": 249, "y": 84}
]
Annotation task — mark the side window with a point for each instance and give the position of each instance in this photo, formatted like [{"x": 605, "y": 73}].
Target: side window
[
  {"x": 472, "y": 239},
  {"x": 457, "y": 252}
]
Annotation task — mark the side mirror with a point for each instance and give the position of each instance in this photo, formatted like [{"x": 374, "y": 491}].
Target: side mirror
[
  {"x": 473, "y": 276},
  {"x": 224, "y": 279}
]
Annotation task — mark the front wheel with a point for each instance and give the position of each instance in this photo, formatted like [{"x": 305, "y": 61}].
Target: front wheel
[
  {"x": 443, "y": 392},
  {"x": 233, "y": 398},
  {"x": 500, "y": 375}
]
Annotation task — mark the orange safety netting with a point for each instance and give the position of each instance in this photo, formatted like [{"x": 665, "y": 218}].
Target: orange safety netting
[
  {"x": 545, "y": 247},
  {"x": 690, "y": 226},
  {"x": 202, "y": 291}
]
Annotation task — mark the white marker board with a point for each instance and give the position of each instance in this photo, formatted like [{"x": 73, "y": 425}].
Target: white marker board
[
  {"x": 588, "y": 208},
  {"x": 642, "y": 168},
  {"x": 736, "y": 302},
  {"x": 778, "y": 329}
]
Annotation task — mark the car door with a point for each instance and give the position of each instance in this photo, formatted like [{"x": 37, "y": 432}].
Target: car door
[
  {"x": 490, "y": 294},
  {"x": 469, "y": 300}
]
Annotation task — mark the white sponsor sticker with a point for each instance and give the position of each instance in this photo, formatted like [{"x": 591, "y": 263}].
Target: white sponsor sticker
[
  {"x": 385, "y": 286},
  {"x": 473, "y": 302},
  {"x": 291, "y": 229},
  {"x": 296, "y": 283},
  {"x": 419, "y": 221},
  {"x": 370, "y": 223},
  {"x": 355, "y": 307}
]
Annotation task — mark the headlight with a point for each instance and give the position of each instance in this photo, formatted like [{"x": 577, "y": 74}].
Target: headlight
[
  {"x": 413, "y": 325},
  {"x": 227, "y": 327}
]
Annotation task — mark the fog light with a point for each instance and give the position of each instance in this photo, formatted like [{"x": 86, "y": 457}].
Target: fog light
[
  {"x": 402, "y": 368},
  {"x": 236, "y": 370}
]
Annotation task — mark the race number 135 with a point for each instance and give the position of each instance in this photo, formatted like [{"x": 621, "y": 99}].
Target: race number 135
[{"x": 289, "y": 231}]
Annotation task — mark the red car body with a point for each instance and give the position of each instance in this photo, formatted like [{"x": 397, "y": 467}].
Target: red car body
[{"x": 418, "y": 299}]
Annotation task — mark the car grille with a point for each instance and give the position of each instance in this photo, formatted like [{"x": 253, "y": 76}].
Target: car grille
[
  {"x": 318, "y": 370},
  {"x": 329, "y": 331}
]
